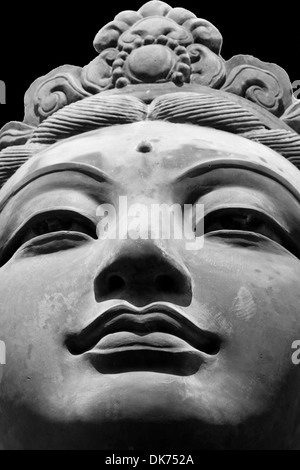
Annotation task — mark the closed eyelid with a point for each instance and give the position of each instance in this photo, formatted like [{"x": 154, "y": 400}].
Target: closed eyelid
[
  {"x": 217, "y": 221},
  {"x": 222, "y": 209},
  {"x": 46, "y": 244},
  {"x": 240, "y": 197},
  {"x": 51, "y": 213},
  {"x": 52, "y": 242},
  {"x": 15, "y": 240}
]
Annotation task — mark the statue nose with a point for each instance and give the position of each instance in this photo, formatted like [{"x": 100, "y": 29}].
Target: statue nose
[{"x": 142, "y": 272}]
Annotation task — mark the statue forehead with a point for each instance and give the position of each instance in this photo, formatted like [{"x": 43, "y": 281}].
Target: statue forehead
[
  {"x": 162, "y": 151},
  {"x": 136, "y": 143}
]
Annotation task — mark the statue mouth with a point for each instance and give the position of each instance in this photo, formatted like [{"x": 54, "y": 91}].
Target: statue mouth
[
  {"x": 157, "y": 338},
  {"x": 159, "y": 319}
]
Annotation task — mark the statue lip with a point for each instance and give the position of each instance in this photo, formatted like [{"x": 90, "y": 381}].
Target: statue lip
[{"x": 155, "y": 318}]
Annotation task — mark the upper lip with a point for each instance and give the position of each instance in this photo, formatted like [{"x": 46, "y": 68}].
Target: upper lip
[{"x": 156, "y": 317}]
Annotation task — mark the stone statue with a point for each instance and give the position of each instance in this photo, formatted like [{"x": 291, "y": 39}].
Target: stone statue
[{"x": 138, "y": 342}]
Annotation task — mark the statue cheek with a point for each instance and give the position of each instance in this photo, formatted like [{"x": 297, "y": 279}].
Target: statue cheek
[
  {"x": 37, "y": 308},
  {"x": 42, "y": 297},
  {"x": 247, "y": 290}
]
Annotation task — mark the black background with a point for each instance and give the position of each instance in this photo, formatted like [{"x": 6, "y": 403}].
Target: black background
[{"x": 35, "y": 38}]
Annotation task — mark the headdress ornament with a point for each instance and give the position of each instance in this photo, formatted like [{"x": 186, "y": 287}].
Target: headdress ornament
[{"x": 159, "y": 63}]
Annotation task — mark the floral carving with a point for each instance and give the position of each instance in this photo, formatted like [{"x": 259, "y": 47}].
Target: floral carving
[
  {"x": 156, "y": 44},
  {"x": 156, "y": 19},
  {"x": 153, "y": 45}
]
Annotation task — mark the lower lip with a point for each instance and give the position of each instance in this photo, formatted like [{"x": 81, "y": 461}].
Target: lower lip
[
  {"x": 124, "y": 340},
  {"x": 156, "y": 352}
]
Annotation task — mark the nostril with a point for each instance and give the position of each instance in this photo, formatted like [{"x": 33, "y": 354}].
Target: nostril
[
  {"x": 165, "y": 283},
  {"x": 115, "y": 282},
  {"x": 109, "y": 285},
  {"x": 143, "y": 277}
]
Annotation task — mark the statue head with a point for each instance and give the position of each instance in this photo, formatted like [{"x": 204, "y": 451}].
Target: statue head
[{"x": 120, "y": 334}]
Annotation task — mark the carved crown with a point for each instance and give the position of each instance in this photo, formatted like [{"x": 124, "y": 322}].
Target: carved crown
[{"x": 145, "y": 55}]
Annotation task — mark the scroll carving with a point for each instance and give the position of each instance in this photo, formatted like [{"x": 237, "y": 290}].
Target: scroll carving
[{"x": 265, "y": 84}]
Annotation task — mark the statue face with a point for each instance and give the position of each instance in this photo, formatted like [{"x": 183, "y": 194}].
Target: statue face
[{"x": 143, "y": 343}]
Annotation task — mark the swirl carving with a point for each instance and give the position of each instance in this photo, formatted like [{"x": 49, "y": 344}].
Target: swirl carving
[
  {"x": 267, "y": 85},
  {"x": 52, "y": 92},
  {"x": 207, "y": 67}
]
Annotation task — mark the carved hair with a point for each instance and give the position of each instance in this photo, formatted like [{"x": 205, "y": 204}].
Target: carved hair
[{"x": 159, "y": 63}]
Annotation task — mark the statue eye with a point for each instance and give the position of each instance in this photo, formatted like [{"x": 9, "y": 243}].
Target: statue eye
[
  {"x": 246, "y": 220},
  {"x": 66, "y": 222},
  {"x": 53, "y": 224},
  {"x": 234, "y": 220}
]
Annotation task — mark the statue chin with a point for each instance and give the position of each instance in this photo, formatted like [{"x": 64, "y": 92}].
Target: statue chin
[{"x": 150, "y": 246}]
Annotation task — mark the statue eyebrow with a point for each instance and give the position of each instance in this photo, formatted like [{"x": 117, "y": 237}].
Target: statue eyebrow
[
  {"x": 83, "y": 168},
  {"x": 206, "y": 167}
]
